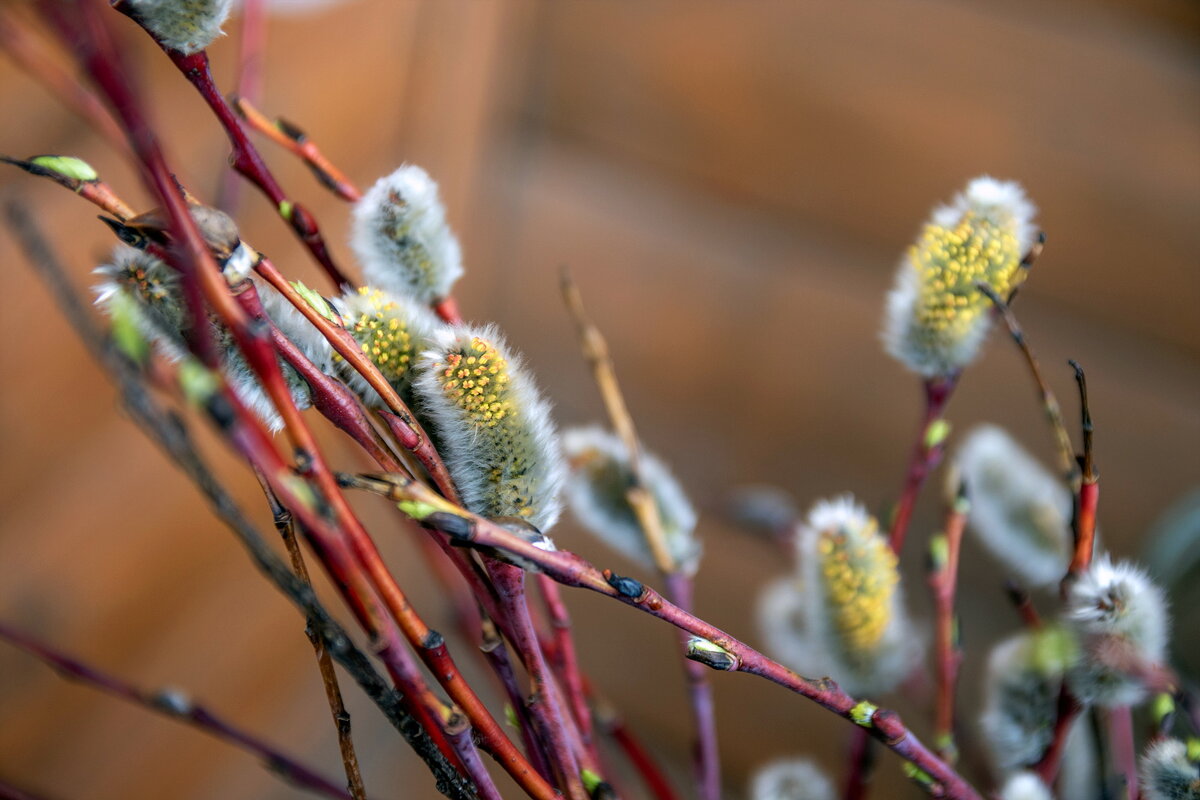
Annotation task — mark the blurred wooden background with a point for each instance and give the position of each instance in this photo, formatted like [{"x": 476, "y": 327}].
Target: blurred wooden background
[{"x": 732, "y": 185}]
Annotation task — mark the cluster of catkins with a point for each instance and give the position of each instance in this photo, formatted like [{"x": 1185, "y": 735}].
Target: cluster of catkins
[{"x": 841, "y": 614}]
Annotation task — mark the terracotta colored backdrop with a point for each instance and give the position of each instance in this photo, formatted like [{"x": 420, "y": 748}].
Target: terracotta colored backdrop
[{"x": 732, "y": 185}]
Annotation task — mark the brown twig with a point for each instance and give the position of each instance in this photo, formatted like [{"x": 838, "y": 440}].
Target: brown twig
[
  {"x": 645, "y": 509},
  {"x": 285, "y": 525},
  {"x": 469, "y": 530},
  {"x": 176, "y": 705}
]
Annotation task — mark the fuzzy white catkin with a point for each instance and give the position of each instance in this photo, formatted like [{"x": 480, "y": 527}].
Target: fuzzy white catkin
[
  {"x": 843, "y": 615},
  {"x": 392, "y": 331},
  {"x": 1020, "y": 511},
  {"x": 936, "y": 318},
  {"x": 494, "y": 429},
  {"x": 600, "y": 477},
  {"x": 1021, "y": 688},
  {"x": 790, "y": 779},
  {"x": 1167, "y": 774},
  {"x": 163, "y": 320},
  {"x": 295, "y": 326},
  {"x": 1119, "y": 616},
  {"x": 184, "y": 25},
  {"x": 402, "y": 239}
]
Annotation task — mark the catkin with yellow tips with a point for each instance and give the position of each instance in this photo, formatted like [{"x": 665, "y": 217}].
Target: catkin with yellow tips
[
  {"x": 936, "y": 317},
  {"x": 392, "y": 332},
  {"x": 596, "y": 493},
  {"x": 494, "y": 429},
  {"x": 1167, "y": 773},
  {"x": 843, "y": 615},
  {"x": 402, "y": 239},
  {"x": 184, "y": 25}
]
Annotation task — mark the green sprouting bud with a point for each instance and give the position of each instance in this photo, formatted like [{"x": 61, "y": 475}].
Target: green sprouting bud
[
  {"x": 495, "y": 431},
  {"x": 184, "y": 25},
  {"x": 1167, "y": 772},
  {"x": 1025, "y": 785},
  {"x": 790, "y": 779},
  {"x": 936, "y": 316},
  {"x": 75, "y": 169},
  {"x": 710, "y": 654},
  {"x": 1024, "y": 677},
  {"x": 1120, "y": 617},
  {"x": 392, "y": 331},
  {"x": 1020, "y": 511},
  {"x": 126, "y": 324},
  {"x": 864, "y": 714},
  {"x": 596, "y": 492},
  {"x": 402, "y": 239}
]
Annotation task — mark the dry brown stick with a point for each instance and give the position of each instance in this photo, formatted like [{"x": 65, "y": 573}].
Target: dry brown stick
[{"x": 285, "y": 524}]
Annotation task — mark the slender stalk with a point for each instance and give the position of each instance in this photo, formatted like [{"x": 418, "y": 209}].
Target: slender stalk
[
  {"x": 1119, "y": 722},
  {"x": 572, "y": 675},
  {"x": 860, "y": 761},
  {"x": 925, "y": 456},
  {"x": 1089, "y": 487},
  {"x": 177, "y": 706},
  {"x": 707, "y": 760},
  {"x": 496, "y": 655},
  {"x": 94, "y": 191},
  {"x": 295, "y": 141},
  {"x": 1067, "y": 711},
  {"x": 285, "y": 525},
  {"x": 1023, "y": 604},
  {"x": 943, "y": 580},
  {"x": 423, "y": 504}
]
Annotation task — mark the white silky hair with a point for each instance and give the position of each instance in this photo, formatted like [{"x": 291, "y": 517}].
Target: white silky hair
[
  {"x": 401, "y": 237},
  {"x": 188, "y": 26},
  {"x": 531, "y": 461},
  {"x": 1019, "y": 510},
  {"x": 1167, "y": 774},
  {"x": 295, "y": 326},
  {"x": 604, "y": 509}
]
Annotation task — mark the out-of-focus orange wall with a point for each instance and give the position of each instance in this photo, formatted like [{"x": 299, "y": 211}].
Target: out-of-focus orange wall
[{"x": 732, "y": 185}]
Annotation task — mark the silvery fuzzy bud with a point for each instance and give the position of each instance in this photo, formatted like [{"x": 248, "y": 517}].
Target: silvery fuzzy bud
[
  {"x": 844, "y": 616},
  {"x": 936, "y": 317},
  {"x": 184, "y": 25},
  {"x": 295, "y": 326},
  {"x": 596, "y": 492},
  {"x": 153, "y": 287},
  {"x": 790, "y": 779},
  {"x": 402, "y": 240},
  {"x": 163, "y": 319},
  {"x": 1167, "y": 773},
  {"x": 1020, "y": 512},
  {"x": 1120, "y": 617},
  {"x": 1024, "y": 678},
  {"x": 392, "y": 331},
  {"x": 495, "y": 430},
  {"x": 1025, "y": 786}
]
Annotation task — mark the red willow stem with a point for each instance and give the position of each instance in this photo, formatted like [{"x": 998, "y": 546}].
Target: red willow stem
[
  {"x": 1068, "y": 710},
  {"x": 925, "y": 456},
  {"x": 494, "y": 652},
  {"x": 421, "y": 503},
  {"x": 174, "y": 705},
  {"x": 943, "y": 581},
  {"x": 641, "y": 759},
  {"x": 859, "y": 761},
  {"x": 252, "y": 45},
  {"x": 245, "y": 157},
  {"x": 548, "y": 714},
  {"x": 1119, "y": 722},
  {"x": 706, "y": 759},
  {"x": 95, "y": 191},
  {"x": 571, "y": 674}
]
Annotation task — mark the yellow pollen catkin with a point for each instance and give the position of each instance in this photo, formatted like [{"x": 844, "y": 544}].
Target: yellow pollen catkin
[
  {"x": 383, "y": 335},
  {"x": 860, "y": 577},
  {"x": 949, "y": 262}
]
